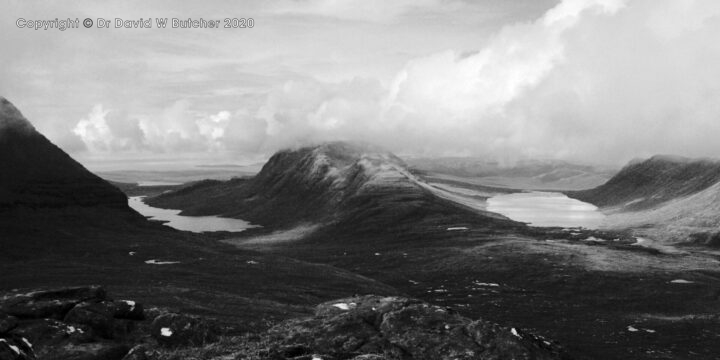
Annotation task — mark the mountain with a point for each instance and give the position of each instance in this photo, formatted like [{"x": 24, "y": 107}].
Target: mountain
[
  {"x": 37, "y": 174},
  {"x": 61, "y": 225},
  {"x": 524, "y": 174},
  {"x": 669, "y": 198},
  {"x": 317, "y": 184}
]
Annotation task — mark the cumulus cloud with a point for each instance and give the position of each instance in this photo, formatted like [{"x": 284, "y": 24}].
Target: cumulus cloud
[{"x": 599, "y": 80}]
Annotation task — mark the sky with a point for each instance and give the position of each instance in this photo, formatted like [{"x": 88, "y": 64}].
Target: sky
[{"x": 591, "y": 81}]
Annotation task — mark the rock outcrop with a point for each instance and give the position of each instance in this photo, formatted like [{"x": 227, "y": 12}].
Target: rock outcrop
[
  {"x": 83, "y": 323},
  {"x": 373, "y": 327}
]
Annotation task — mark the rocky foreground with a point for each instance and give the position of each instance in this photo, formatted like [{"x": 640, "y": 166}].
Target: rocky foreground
[{"x": 83, "y": 323}]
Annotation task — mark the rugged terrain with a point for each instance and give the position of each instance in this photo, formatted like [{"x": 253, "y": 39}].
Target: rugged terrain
[
  {"x": 594, "y": 291},
  {"x": 670, "y": 199},
  {"x": 70, "y": 228}
]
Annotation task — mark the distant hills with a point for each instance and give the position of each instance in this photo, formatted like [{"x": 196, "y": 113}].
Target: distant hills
[
  {"x": 524, "y": 174},
  {"x": 669, "y": 198}
]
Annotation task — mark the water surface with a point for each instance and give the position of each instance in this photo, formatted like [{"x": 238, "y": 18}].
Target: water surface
[
  {"x": 546, "y": 209},
  {"x": 188, "y": 223}
]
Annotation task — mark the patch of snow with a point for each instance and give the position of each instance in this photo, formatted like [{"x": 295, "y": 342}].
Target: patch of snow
[
  {"x": 447, "y": 327},
  {"x": 27, "y": 342},
  {"x": 681, "y": 281},
  {"x": 486, "y": 284},
  {"x": 158, "y": 262},
  {"x": 377, "y": 254},
  {"x": 514, "y": 332},
  {"x": 166, "y": 332},
  {"x": 592, "y": 238},
  {"x": 132, "y": 253},
  {"x": 252, "y": 262},
  {"x": 342, "y": 306},
  {"x": 632, "y": 329},
  {"x": 456, "y": 228},
  {"x": 650, "y": 331},
  {"x": 413, "y": 282},
  {"x": 316, "y": 357}
]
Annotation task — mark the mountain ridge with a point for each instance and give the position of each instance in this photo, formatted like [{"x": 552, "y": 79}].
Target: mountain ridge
[
  {"x": 38, "y": 174},
  {"x": 308, "y": 184},
  {"x": 668, "y": 198}
]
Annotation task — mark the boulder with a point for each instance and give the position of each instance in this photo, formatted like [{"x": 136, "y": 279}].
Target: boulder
[
  {"x": 374, "y": 327},
  {"x": 46, "y": 335},
  {"x": 128, "y": 309},
  {"x": 96, "y": 316},
  {"x": 49, "y": 303},
  {"x": 172, "y": 330}
]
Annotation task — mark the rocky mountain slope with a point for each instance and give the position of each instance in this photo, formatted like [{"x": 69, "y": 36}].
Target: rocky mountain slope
[
  {"x": 37, "y": 174},
  {"x": 85, "y": 323},
  {"x": 668, "y": 198},
  {"x": 317, "y": 184}
]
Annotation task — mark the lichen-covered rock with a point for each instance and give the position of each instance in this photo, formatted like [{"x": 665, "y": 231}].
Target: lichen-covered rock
[
  {"x": 128, "y": 309},
  {"x": 96, "y": 316},
  {"x": 173, "y": 330},
  {"x": 49, "y": 303},
  {"x": 400, "y": 328},
  {"x": 15, "y": 348},
  {"x": 72, "y": 323}
]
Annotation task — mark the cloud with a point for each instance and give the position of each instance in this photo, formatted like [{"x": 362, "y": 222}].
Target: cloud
[
  {"x": 599, "y": 80},
  {"x": 104, "y": 131}
]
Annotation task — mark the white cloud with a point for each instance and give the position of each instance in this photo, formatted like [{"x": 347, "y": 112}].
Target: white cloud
[{"x": 600, "y": 80}]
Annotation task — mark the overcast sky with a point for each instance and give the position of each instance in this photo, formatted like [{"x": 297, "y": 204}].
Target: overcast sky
[{"x": 600, "y": 81}]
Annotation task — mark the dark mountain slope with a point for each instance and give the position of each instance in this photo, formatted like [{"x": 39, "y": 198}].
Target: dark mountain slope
[
  {"x": 37, "y": 174},
  {"x": 645, "y": 184},
  {"x": 318, "y": 184}
]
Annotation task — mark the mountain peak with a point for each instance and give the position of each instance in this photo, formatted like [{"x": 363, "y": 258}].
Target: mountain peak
[
  {"x": 37, "y": 174},
  {"x": 12, "y": 118}
]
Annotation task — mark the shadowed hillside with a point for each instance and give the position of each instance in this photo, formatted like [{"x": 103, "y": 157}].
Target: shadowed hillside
[
  {"x": 672, "y": 199},
  {"x": 645, "y": 184},
  {"x": 318, "y": 184},
  {"x": 37, "y": 174}
]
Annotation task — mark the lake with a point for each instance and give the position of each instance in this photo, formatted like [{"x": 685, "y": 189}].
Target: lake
[
  {"x": 188, "y": 223},
  {"x": 546, "y": 209}
]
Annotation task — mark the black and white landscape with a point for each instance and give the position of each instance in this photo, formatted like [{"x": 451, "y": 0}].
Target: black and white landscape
[{"x": 360, "y": 180}]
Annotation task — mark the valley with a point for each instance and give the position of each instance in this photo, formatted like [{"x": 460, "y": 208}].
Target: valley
[
  {"x": 591, "y": 290},
  {"x": 331, "y": 223}
]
